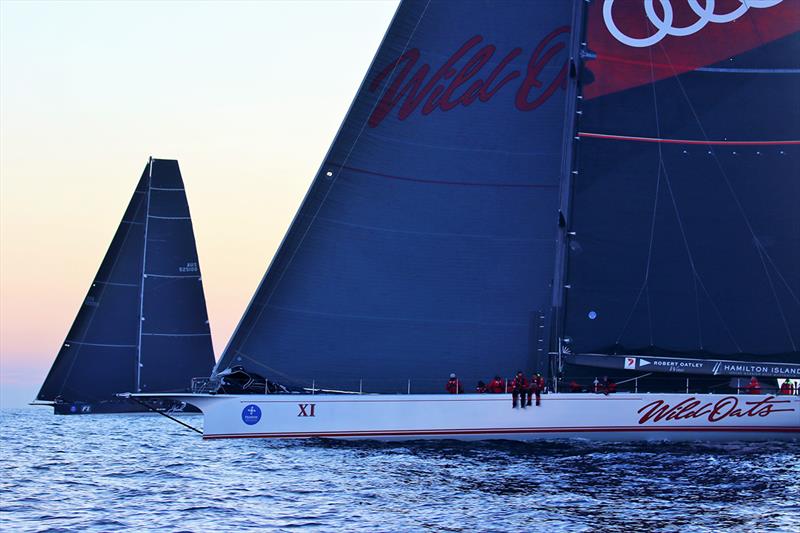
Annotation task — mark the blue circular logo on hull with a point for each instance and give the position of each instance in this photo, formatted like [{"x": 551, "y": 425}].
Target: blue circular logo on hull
[{"x": 251, "y": 414}]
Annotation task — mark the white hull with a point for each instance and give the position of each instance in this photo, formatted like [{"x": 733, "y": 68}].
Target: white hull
[{"x": 616, "y": 417}]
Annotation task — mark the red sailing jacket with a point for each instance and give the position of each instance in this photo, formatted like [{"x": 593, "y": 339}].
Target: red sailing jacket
[
  {"x": 754, "y": 387},
  {"x": 454, "y": 386},
  {"x": 496, "y": 386},
  {"x": 520, "y": 384}
]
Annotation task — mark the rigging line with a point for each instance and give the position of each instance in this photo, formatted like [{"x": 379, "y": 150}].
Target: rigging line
[
  {"x": 167, "y": 188},
  {"x": 168, "y": 218},
  {"x": 677, "y": 214},
  {"x": 446, "y": 182},
  {"x": 101, "y": 293},
  {"x": 777, "y": 300},
  {"x": 336, "y": 176},
  {"x": 786, "y": 283},
  {"x": 706, "y": 142},
  {"x": 645, "y": 283},
  {"x": 697, "y": 313},
  {"x": 181, "y": 422},
  {"x": 756, "y": 242},
  {"x": 691, "y": 260},
  {"x": 749, "y": 16}
]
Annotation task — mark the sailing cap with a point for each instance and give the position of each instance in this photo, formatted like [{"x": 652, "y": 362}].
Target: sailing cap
[{"x": 452, "y": 375}]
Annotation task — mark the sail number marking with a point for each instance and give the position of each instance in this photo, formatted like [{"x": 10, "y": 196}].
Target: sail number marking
[{"x": 307, "y": 409}]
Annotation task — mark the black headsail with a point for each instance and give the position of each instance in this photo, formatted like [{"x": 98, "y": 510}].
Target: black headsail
[
  {"x": 143, "y": 325},
  {"x": 684, "y": 226},
  {"x": 426, "y": 242}
]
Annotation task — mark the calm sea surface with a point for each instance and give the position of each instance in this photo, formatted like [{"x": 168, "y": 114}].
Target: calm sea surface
[{"x": 145, "y": 473}]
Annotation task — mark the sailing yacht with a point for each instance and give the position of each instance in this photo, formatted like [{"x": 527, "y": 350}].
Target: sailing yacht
[
  {"x": 575, "y": 189},
  {"x": 143, "y": 325}
]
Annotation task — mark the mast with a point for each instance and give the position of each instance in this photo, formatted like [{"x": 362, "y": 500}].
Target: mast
[
  {"x": 565, "y": 192},
  {"x": 141, "y": 280}
]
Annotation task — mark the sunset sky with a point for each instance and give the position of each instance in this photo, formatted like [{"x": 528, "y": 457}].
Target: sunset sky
[{"x": 246, "y": 95}]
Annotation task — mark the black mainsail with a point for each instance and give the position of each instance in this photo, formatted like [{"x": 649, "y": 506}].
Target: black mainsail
[
  {"x": 143, "y": 325},
  {"x": 426, "y": 242}
]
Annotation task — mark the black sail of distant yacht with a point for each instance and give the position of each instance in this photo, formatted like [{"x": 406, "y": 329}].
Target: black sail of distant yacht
[
  {"x": 683, "y": 227},
  {"x": 143, "y": 326},
  {"x": 426, "y": 242}
]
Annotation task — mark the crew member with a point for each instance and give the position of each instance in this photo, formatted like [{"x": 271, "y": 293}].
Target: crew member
[
  {"x": 519, "y": 388},
  {"x": 497, "y": 386},
  {"x": 454, "y": 385},
  {"x": 574, "y": 386},
  {"x": 537, "y": 386},
  {"x": 754, "y": 387},
  {"x": 608, "y": 386},
  {"x": 481, "y": 388},
  {"x": 787, "y": 388}
]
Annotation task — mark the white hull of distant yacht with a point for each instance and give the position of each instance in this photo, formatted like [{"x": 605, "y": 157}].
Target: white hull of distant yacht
[{"x": 490, "y": 416}]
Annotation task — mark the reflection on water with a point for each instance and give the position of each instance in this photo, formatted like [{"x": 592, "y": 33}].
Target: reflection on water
[{"x": 113, "y": 473}]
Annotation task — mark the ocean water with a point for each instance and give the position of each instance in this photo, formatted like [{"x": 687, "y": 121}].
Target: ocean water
[{"x": 145, "y": 473}]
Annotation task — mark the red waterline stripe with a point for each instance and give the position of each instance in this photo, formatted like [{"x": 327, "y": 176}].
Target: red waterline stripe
[
  {"x": 499, "y": 431},
  {"x": 684, "y": 141},
  {"x": 447, "y": 182}
]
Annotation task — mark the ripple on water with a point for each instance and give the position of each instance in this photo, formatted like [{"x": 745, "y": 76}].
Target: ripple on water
[{"x": 144, "y": 474}]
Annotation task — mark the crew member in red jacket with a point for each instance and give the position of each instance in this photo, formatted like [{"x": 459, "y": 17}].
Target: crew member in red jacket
[
  {"x": 787, "y": 388},
  {"x": 519, "y": 389},
  {"x": 754, "y": 387},
  {"x": 454, "y": 385},
  {"x": 497, "y": 386},
  {"x": 537, "y": 386},
  {"x": 607, "y": 386}
]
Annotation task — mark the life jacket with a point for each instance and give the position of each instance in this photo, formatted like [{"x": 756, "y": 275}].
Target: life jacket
[
  {"x": 520, "y": 384},
  {"x": 611, "y": 387},
  {"x": 537, "y": 384},
  {"x": 574, "y": 386},
  {"x": 786, "y": 388}
]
